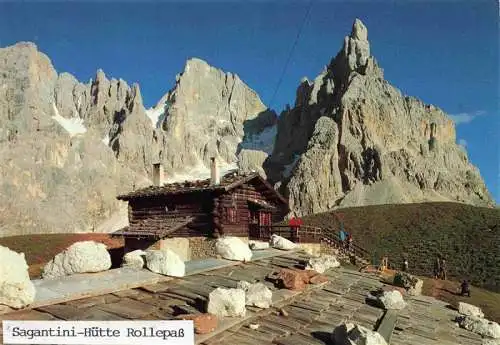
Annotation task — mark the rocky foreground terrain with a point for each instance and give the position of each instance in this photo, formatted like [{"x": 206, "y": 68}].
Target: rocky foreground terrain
[{"x": 68, "y": 148}]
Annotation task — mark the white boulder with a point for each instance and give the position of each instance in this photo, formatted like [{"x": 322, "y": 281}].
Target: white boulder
[
  {"x": 322, "y": 263},
  {"x": 479, "y": 325},
  {"x": 227, "y": 302},
  {"x": 392, "y": 300},
  {"x": 416, "y": 288},
  {"x": 166, "y": 262},
  {"x": 258, "y": 245},
  {"x": 469, "y": 310},
  {"x": 16, "y": 288},
  {"x": 80, "y": 257},
  {"x": 257, "y": 295},
  {"x": 233, "y": 248},
  {"x": 279, "y": 242},
  {"x": 351, "y": 334},
  {"x": 134, "y": 259}
]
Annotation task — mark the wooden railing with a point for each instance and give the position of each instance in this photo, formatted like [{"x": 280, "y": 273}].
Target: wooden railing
[
  {"x": 302, "y": 234},
  {"x": 334, "y": 241},
  {"x": 305, "y": 234}
]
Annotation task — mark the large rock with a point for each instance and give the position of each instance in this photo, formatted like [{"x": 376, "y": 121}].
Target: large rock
[
  {"x": 227, "y": 302},
  {"x": 80, "y": 257},
  {"x": 258, "y": 245},
  {"x": 318, "y": 279},
  {"x": 413, "y": 285},
  {"x": 479, "y": 325},
  {"x": 257, "y": 295},
  {"x": 134, "y": 259},
  {"x": 16, "y": 288},
  {"x": 233, "y": 248},
  {"x": 322, "y": 263},
  {"x": 391, "y": 300},
  {"x": 203, "y": 323},
  {"x": 352, "y": 139},
  {"x": 293, "y": 280},
  {"x": 351, "y": 334},
  {"x": 279, "y": 242},
  {"x": 165, "y": 262},
  {"x": 469, "y": 310}
]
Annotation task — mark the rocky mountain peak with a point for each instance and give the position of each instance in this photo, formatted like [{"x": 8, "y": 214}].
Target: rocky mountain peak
[
  {"x": 353, "y": 139},
  {"x": 359, "y": 31},
  {"x": 354, "y": 56}
]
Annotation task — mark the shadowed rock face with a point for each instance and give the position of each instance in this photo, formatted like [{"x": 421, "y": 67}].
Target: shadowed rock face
[{"x": 352, "y": 139}]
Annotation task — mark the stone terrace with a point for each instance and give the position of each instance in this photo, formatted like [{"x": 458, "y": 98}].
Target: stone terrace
[
  {"x": 296, "y": 317},
  {"x": 427, "y": 321}
]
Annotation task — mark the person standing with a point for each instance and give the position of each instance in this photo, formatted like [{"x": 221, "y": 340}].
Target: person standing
[
  {"x": 342, "y": 239},
  {"x": 437, "y": 267},
  {"x": 443, "y": 269},
  {"x": 465, "y": 288},
  {"x": 405, "y": 264}
]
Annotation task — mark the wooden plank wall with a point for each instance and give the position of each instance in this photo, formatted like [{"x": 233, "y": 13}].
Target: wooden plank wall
[
  {"x": 153, "y": 211},
  {"x": 239, "y": 197}
]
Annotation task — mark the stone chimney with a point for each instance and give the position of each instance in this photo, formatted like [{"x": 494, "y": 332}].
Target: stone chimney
[
  {"x": 157, "y": 174},
  {"x": 214, "y": 172}
]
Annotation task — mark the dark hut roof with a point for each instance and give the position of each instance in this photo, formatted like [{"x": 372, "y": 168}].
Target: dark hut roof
[
  {"x": 227, "y": 182},
  {"x": 163, "y": 228}
]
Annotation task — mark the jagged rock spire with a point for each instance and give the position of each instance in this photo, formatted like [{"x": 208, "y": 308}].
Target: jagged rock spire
[{"x": 359, "y": 31}]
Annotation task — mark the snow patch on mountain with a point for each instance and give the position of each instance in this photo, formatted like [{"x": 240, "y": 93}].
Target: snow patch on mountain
[
  {"x": 105, "y": 140},
  {"x": 74, "y": 126},
  {"x": 155, "y": 114}
]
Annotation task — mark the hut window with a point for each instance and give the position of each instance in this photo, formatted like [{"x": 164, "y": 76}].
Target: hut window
[{"x": 231, "y": 215}]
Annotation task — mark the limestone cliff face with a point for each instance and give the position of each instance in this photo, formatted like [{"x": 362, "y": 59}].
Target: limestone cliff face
[
  {"x": 60, "y": 172},
  {"x": 209, "y": 113},
  {"x": 68, "y": 148},
  {"x": 352, "y": 139}
]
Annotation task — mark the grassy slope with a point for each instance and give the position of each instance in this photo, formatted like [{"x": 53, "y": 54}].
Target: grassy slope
[
  {"x": 468, "y": 237},
  {"x": 40, "y": 249},
  {"x": 446, "y": 291}
]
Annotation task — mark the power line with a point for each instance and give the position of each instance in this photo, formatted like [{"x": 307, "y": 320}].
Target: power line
[{"x": 291, "y": 52}]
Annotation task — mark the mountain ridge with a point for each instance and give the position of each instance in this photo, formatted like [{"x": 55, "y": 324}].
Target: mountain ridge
[{"x": 339, "y": 146}]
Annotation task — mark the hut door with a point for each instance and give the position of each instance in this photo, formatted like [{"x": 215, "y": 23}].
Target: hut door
[{"x": 264, "y": 218}]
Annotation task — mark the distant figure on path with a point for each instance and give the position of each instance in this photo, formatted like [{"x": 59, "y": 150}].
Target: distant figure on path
[
  {"x": 384, "y": 264},
  {"x": 405, "y": 265},
  {"x": 295, "y": 223},
  {"x": 342, "y": 237},
  {"x": 465, "y": 288},
  {"x": 349, "y": 242},
  {"x": 443, "y": 269},
  {"x": 437, "y": 267}
]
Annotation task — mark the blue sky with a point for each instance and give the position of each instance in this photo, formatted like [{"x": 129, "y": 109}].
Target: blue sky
[{"x": 443, "y": 52}]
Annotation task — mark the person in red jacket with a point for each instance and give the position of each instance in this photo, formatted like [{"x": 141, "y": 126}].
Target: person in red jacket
[{"x": 295, "y": 224}]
